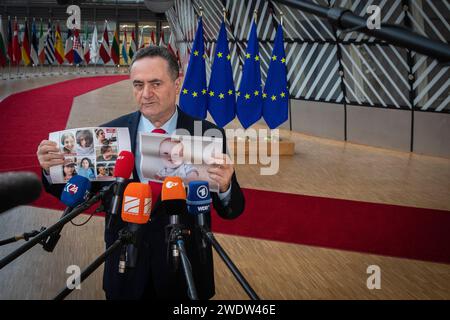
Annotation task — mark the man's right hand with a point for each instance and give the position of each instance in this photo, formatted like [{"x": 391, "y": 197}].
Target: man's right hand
[{"x": 49, "y": 155}]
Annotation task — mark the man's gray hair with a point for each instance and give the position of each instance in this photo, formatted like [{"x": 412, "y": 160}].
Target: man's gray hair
[{"x": 157, "y": 51}]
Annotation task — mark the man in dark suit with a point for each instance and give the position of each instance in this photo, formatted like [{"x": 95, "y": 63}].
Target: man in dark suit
[{"x": 156, "y": 84}]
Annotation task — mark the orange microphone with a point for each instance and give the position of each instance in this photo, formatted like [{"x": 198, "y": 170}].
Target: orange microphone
[{"x": 136, "y": 209}]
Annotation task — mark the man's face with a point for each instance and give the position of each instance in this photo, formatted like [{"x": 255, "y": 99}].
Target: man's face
[{"x": 153, "y": 87}]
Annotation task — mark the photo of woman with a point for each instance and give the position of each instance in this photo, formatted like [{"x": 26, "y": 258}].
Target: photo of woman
[
  {"x": 86, "y": 168},
  {"x": 85, "y": 143},
  {"x": 101, "y": 137},
  {"x": 69, "y": 171},
  {"x": 107, "y": 153},
  {"x": 68, "y": 143},
  {"x": 102, "y": 172}
]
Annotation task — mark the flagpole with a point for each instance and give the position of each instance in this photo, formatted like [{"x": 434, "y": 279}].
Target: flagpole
[
  {"x": 104, "y": 64},
  {"x": 289, "y": 85}
]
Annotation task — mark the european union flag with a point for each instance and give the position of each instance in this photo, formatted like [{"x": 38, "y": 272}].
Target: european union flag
[
  {"x": 193, "y": 99},
  {"x": 276, "y": 95},
  {"x": 221, "y": 97},
  {"x": 249, "y": 101}
]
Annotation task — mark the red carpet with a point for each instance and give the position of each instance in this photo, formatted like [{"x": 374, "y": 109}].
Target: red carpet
[
  {"x": 398, "y": 231},
  {"x": 28, "y": 117}
]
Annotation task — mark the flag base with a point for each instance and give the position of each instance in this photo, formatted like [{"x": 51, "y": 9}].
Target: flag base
[{"x": 263, "y": 146}]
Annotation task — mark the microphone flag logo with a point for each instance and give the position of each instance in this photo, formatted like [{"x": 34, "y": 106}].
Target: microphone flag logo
[{"x": 202, "y": 192}]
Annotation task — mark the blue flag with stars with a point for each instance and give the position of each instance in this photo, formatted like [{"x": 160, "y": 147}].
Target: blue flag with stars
[
  {"x": 276, "y": 95},
  {"x": 249, "y": 96},
  {"x": 221, "y": 97},
  {"x": 193, "y": 98}
]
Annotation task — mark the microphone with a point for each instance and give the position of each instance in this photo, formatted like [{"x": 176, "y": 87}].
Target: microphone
[
  {"x": 199, "y": 200},
  {"x": 75, "y": 192},
  {"x": 18, "y": 188},
  {"x": 199, "y": 203},
  {"x": 136, "y": 208},
  {"x": 122, "y": 171},
  {"x": 173, "y": 197}
]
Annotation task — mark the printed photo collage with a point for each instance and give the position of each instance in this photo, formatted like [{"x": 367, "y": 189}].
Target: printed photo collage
[{"x": 89, "y": 152}]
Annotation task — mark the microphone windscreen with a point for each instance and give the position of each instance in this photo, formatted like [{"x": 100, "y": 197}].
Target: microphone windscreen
[
  {"x": 124, "y": 165},
  {"x": 198, "y": 198},
  {"x": 18, "y": 188},
  {"x": 75, "y": 191},
  {"x": 173, "y": 189},
  {"x": 137, "y": 203}
]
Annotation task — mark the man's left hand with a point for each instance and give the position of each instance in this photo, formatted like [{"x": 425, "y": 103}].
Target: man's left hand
[{"x": 221, "y": 171}]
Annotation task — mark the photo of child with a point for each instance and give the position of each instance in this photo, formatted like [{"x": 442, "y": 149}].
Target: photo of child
[
  {"x": 86, "y": 168},
  {"x": 186, "y": 157},
  {"x": 171, "y": 154},
  {"x": 68, "y": 143},
  {"x": 85, "y": 143}
]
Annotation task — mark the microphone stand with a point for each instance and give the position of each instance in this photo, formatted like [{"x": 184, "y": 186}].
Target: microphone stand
[
  {"x": 25, "y": 236},
  {"x": 393, "y": 34},
  {"x": 237, "y": 274},
  {"x": 125, "y": 237},
  {"x": 44, "y": 233},
  {"x": 176, "y": 237}
]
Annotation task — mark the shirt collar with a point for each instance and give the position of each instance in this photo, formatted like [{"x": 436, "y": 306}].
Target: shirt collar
[{"x": 170, "y": 126}]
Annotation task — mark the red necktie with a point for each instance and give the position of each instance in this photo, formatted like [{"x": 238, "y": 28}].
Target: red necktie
[{"x": 156, "y": 187}]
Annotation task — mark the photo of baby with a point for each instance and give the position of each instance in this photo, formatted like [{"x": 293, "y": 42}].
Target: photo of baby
[
  {"x": 86, "y": 168},
  {"x": 171, "y": 154},
  {"x": 85, "y": 143},
  {"x": 182, "y": 156}
]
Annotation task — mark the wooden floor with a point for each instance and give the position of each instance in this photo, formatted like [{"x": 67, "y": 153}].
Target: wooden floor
[{"x": 276, "y": 270}]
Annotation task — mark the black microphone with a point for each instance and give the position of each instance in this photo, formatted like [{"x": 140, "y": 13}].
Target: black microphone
[
  {"x": 18, "y": 188},
  {"x": 75, "y": 192},
  {"x": 173, "y": 197},
  {"x": 199, "y": 203}
]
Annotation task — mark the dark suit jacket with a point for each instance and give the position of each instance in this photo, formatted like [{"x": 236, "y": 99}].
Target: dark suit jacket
[{"x": 153, "y": 276}]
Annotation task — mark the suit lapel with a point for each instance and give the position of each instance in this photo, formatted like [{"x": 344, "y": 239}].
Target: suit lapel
[{"x": 133, "y": 123}]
